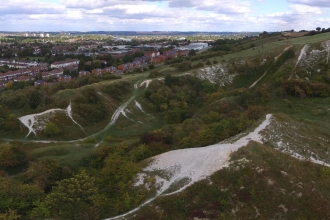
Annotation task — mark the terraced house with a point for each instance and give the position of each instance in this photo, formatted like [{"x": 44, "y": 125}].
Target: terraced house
[{"x": 64, "y": 63}]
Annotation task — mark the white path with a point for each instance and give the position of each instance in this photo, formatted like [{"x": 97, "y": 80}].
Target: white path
[{"x": 255, "y": 83}]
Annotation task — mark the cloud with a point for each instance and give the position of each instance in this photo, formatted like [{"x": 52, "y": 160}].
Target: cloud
[
  {"x": 223, "y": 7},
  {"x": 315, "y": 3},
  {"x": 29, "y": 7}
]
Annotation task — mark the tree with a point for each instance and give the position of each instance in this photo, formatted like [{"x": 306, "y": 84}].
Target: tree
[
  {"x": 11, "y": 156},
  {"x": 10, "y": 215},
  {"x": 35, "y": 99},
  {"x": 173, "y": 117},
  {"x": 46, "y": 172},
  {"x": 192, "y": 53},
  {"x": 9, "y": 85},
  {"x": 66, "y": 72},
  {"x": 17, "y": 196},
  {"x": 74, "y": 198},
  {"x": 318, "y": 29}
]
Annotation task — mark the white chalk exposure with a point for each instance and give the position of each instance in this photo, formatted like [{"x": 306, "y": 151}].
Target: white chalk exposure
[
  {"x": 138, "y": 105},
  {"x": 302, "y": 54},
  {"x": 30, "y": 120},
  {"x": 194, "y": 164},
  {"x": 326, "y": 45},
  {"x": 69, "y": 112},
  {"x": 33, "y": 123},
  {"x": 146, "y": 83},
  {"x": 119, "y": 111}
]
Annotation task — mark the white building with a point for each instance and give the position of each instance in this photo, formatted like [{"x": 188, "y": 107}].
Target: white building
[{"x": 42, "y": 35}]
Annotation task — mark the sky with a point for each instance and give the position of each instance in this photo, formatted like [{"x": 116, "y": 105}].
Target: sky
[{"x": 163, "y": 15}]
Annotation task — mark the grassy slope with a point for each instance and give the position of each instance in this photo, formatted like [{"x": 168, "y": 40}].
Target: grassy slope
[
  {"x": 260, "y": 183},
  {"x": 212, "y": 200},
  {"x": 273, "y": 185}
]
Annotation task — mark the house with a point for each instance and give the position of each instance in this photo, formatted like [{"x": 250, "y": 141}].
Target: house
[
  {"x": 171, "y": 53},
  {"x": 83, "y": 73},
  {"x": 110, "y": 69},
  {"x": 130, "y": 65},
  {"x": 56, "y": 72},
  {"x": 97, "y": 71},
  {"x": 151, "y": 54},
  {"x": 64, "y": 63},
  {"x": 45, "y": 75},
  {"x": 123, "y": 67},
  {"x": 71, "y": 67},
  {"x": 137, "y": 63},
  {"x": 183, "y": 52},
  {"x": 40, "y": 83},
  {"x": 23, "y": 78},
  {"x": 158, "y": 59},
  {"x": 64, "y": 78}
]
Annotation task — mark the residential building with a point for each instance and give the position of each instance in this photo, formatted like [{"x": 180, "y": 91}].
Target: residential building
[
  {"x": 64, "y": 63},
  {"x": 40, "y": 83}
]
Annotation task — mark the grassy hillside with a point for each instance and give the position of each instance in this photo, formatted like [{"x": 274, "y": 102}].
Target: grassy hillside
[{"x": 92, "y": 155}]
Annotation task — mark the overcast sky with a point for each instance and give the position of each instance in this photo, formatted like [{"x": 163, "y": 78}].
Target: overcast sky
[{"x": 163, "y": 15}]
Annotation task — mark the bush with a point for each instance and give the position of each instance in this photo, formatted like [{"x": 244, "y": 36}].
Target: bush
[
  {"x": 151, "y": 66},
  {"x": 154, "y": 73},
  {"x": 51, "y": 129},
  {"x": 11, "y": 156}
]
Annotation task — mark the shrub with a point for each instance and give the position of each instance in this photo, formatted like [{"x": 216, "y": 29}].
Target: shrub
[
  {"x": 11, "y": 156},
  {"x": 51, "y": 129}
]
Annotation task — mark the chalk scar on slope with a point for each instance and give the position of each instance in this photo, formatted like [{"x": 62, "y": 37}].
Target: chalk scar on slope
[
  {"x": 194, "y": 164},
  {"x": 30, "y": 120},
  {"x": 146, "y": 83}
]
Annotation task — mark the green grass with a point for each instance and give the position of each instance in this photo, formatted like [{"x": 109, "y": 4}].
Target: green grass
[{"x": 66, "y": 154}]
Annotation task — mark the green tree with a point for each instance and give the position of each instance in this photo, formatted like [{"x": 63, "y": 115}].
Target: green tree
[
  {"x": 192, "y": 53},
  {"x": 35, "y": 99},
  {"x": 45, "y": 173},
  {"x": 73, "y": 199},
  {"x": 172, "y": 117},
  {"x": 17, "y": 196}
]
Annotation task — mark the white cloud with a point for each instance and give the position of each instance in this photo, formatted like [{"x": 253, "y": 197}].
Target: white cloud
[
  {"x": 316, "y": 3},
  {"x": 29, "y": 7},
  {"x": 179, "y": 15}
]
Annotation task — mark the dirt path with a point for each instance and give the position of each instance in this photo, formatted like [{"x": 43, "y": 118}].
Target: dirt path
[{"x": 255, "y": 83}]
